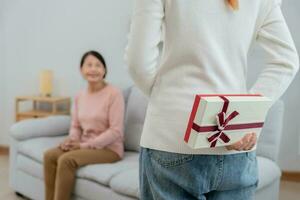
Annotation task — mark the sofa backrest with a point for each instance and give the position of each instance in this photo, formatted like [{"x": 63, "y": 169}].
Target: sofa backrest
[{"x": 136, "y": 106}]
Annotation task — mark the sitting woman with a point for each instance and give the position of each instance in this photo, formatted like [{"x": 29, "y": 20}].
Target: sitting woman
[{"x": 96, "y": 132}]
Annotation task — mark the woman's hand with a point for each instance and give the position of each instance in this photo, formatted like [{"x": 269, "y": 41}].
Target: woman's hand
[
  {"x": 246, "y": 143},
  {"x": 74, "y": 145},
  {"x": 69, "y": 144},
  {"x": 63, "y": 146}
]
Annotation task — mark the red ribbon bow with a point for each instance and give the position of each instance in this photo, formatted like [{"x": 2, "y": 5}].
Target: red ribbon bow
[{"x": 222, "y": 123}]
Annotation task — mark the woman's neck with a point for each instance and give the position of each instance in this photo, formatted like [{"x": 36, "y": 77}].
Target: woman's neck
[{"x": 94, "y": 87}]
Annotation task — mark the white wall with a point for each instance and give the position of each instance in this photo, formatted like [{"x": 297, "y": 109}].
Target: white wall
[
  {"x": 54, "y": 34},
  {"x": 2, "y": 95},
  {"x": 290, "y": 151}
]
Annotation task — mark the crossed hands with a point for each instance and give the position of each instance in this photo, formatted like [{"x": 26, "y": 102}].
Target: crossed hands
[
  {"x": 246, "y": 143},
  {"x": 69, "y": 144}
]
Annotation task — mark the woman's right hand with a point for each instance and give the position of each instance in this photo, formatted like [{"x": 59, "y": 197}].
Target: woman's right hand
[
  {"x": 65, "y": 145},
  {"x": 245, "y": 144}
]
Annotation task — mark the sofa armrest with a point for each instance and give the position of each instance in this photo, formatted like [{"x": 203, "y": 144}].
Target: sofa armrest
[{"x": 42, "y": 127}]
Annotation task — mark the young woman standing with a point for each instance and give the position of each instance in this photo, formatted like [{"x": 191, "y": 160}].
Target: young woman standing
[{"x": 205, "y": 47}]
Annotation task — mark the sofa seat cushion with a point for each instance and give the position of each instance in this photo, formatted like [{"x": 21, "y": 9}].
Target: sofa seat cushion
[
  {"x": 268, "y": 172},
  {"x": 36, "y": 147},
  {"x": 31, "y": 158},
  {"x": 100, "y": 173},
  {"x": 90, "y": 190},
  {"x": 103, "y": 173},
  {"x": 126, "y": 183}
]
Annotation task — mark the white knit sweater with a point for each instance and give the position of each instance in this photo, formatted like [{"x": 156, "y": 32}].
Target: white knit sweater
[{"x": 205, "y": 47}]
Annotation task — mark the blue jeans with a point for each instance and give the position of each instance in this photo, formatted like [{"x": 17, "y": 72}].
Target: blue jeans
[{"x": 173, "y": 176}]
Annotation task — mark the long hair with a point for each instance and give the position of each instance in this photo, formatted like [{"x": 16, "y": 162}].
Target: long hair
[{"x": 234, "y": 4}]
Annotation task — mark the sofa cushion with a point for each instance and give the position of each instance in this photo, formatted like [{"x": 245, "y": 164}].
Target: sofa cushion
[
  {"x": 32, "y": 152},
  {"x": 90, "y": 172},
  {"x": 134, "y": 118},
  {"x": 36, "y": 147},
  {"x": 126, "y": 91},
  {"x": 126, "y": 183},
  {"x": 43, "y": 127},
  {"x": 92, "y": 190},
  {"x": 268, "y": 172},
  {"x": 103, "y": 173}
]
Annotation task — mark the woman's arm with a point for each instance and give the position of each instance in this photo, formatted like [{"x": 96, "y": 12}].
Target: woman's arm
[
  {"x": 75, "y": 128},
  {"x": 142, "y": 51},
  {"x": 282, "y": 57},
  {"x": 115, "y": 130}
]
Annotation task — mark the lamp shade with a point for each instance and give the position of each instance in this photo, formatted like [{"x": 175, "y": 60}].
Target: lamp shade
[{"x": 46, "y": 80}]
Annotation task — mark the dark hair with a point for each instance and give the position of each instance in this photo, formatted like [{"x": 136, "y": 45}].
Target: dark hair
[{"x": 98, "y": 56}]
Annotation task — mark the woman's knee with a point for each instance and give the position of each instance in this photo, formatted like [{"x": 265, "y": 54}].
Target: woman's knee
[
  {"x": 51, "y": 155},
  {"x": 66, "y": 161}
]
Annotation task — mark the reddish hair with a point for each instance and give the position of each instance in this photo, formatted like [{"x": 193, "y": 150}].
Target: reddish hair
[{"x": 234, "y": 4}]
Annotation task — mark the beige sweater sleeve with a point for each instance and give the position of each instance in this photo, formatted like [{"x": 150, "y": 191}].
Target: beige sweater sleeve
[
  {"x": 282, "y": 57},
  {"x": 142, "y": 51}
]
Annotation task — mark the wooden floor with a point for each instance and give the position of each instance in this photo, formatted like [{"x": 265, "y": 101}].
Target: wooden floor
[{"x": 288, "y": 190}]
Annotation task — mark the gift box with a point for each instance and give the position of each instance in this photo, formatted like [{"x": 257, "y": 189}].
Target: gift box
[{"x": 221, "y": 120}]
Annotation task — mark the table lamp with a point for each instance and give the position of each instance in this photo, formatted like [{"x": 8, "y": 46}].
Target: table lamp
[{"x": 46, "y": 80}]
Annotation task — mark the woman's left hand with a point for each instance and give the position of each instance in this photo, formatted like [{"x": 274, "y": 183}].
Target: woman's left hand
[{"x": 74, "y": 145}]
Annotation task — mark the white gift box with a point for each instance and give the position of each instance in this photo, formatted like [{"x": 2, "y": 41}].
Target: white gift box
[{"x": 221, "y": 120}]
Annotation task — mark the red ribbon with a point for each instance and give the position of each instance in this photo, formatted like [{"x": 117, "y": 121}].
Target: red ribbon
[{"x": 222, "y": 124}]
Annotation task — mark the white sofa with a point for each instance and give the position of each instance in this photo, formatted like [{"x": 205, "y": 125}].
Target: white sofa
[{"x": 118, "y": 181}]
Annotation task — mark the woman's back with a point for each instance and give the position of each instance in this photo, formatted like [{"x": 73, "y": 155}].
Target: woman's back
[
  {"x": 206, "y": 45},
  {"x": 209, "y": 35},
  {"x": 205, "y": 50}
]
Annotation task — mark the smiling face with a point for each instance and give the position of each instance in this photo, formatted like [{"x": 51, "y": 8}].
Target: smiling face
[{"x": 92, "y": 69}]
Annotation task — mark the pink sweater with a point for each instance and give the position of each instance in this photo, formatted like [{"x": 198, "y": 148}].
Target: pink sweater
[{"x": 97, "y": 119}]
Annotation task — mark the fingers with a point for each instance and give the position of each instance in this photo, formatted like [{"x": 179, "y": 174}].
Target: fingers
[
  {"x": 246, "y": 143},
  {"x": 238, "y": 146},
  {"x": 251, "y": 143},
  {"x": 235, "y": 146},
  {"x": 61, "y": 146},
  {"x": 65, "y": 146},
  {"x": 73, "y": 147},
  {"x": 68, "y": 144}
]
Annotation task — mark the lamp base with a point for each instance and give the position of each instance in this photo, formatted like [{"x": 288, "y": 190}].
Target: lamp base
[{"x": 45, "y": 95}]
